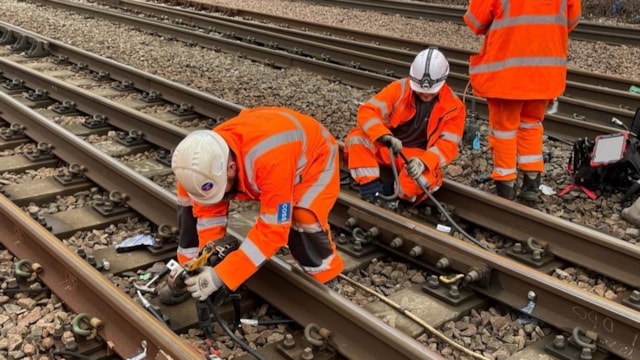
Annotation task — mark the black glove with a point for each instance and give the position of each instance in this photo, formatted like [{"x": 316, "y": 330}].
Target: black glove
[{"x": 392, "y": 142}]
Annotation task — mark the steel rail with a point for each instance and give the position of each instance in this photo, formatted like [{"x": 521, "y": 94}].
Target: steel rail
[
  {"x": 65, "y": 273},
  {"x": 600, "y": 104},
  {"x": 556, "y": 123},
  {"x": 145, "y": 196},
  {"x": 540, "y": 295}
]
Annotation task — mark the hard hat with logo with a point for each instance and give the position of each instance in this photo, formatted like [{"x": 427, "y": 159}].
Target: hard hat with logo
[
  {"x": 200, "y": 165},
  {"x": 428, "y": 71}
]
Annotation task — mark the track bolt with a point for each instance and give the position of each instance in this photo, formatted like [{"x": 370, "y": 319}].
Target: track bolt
[
  {"x": 517, "y": 248},
  {"x": 537, "y": 255},
  {"x": 434, "y": 283},
  {"x": 635, "y": 297},
  {"x": 442, "y": 263},
  {"x": 585, "y": 354},
  {"x": 559, "y": 342},
  {"x": 454, "y": 292},
  {"x": 289, "y": 342},
  {"x": 416, "y": 251},
  {"x": 396, "y": 242},
  {"x": 307, "y": 354}
]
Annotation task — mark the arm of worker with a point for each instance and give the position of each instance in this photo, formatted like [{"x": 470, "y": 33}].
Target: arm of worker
[
  {"x": 479, "y": 16},
  {"x": 574, "y": 11},
  {"x": 445, "y": 149},
  {"x": 271, "y": 230},
  {"x": 373, "y": 115}
]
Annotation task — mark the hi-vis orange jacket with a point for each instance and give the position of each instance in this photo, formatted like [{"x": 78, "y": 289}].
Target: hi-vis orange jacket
[
  {"x": 524, "y": 54},
  {"x": 284, "y": 159},
  {"x": 395, "y": 105}
]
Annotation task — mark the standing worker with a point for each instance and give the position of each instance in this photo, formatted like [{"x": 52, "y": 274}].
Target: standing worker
[
  {"x": 521, "y": 67},
  {"x": 285, "y": 160},
  {"x": 419, "y": 116}
]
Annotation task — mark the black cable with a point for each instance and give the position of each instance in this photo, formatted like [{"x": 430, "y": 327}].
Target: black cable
[
  {"x": 233, "y": 336},
  {"x": 443, "y": 211}
]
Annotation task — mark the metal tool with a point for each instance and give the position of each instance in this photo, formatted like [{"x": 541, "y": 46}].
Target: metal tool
[
  {"x": 147, "y": 287},
  {"x": 147, "y": 305}
]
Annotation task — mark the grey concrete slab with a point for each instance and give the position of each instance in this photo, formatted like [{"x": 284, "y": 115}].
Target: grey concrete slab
[
  {"x": 42, "y": 66},
  {"x": 107, "y": 92},
  {"x": 19, "y": 163},
  {"x": 84, "y": 82},
  {"x": 80, "y": 130},
  {"x": 11, "y": 144},
  {"x": 169, "y": 116},
  {"x": 34, "y": 104},
  {"x": 61, "y": 74},
  {"x": 65, "y": 224},
  {"x": 133, "y": 103},
  {"x": 134, "y": 260},
  {"x": 116, "y": 149},
  {"x": 434, "y": 312},
  {"x": 149, "y": 168},
  {"x": 42, "y": 190}
]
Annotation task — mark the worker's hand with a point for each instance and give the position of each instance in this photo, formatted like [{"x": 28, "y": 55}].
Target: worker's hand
[
  {"x": 204, "y": 284},
  {"x": 392, "y": 142},
  {"x": 415, "y": 167}
]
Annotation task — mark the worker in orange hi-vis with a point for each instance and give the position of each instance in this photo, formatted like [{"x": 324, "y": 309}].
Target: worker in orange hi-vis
[
  {"x": 521, "y": 67},
  {"x": 283, "y": 159},
  {"x": 418, "y": 115}
]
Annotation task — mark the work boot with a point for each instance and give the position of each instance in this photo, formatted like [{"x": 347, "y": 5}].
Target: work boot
[
  {"x": 530, "y": 185},
  {"x": 167, "y": 296},
  {"x": 632, "y": 213},
  {"x": 506, "y": 189}
]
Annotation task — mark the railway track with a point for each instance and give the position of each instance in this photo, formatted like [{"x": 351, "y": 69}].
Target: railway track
[
  {"x": 487, "y": 273},
  {"x": 587, "y": 108}
]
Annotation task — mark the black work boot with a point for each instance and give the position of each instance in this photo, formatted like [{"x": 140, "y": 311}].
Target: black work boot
[
  {"x": 168, "y": 296},
  {"x": 506, "y": 189},
  {"x": 530, "y": 186}
]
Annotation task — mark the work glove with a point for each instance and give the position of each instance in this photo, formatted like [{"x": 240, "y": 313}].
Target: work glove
[
  {"x": 415, "y": 167},
  {"x": 204, "y": 284},
  {"x": 392, "y": 142}
]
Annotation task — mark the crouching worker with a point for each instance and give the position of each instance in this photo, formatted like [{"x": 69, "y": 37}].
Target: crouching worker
[
  {"x": 419, "y": 116},
  {"x": 285, "y": 160}
]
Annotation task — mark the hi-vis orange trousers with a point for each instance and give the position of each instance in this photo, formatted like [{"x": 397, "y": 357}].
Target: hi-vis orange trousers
[{"x": 515, "y": 136}]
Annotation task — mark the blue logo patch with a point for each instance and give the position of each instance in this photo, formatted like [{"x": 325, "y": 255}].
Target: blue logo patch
[
  {"x": 284, "y": 213},
  {"x": 207, "y": 186}
]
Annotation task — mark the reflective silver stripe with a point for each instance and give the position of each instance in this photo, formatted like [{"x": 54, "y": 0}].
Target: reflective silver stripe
[
  {"x": 527, "y": 159},
  {"x": 302, "y": 161},
  {"x": 382, "y": 106},
  {"x": 518, "y": 61},
  {"x": 190, "y": 253},
  {"x": 473, "y": 20},
  {"x": 325, "y": 177},
  {"x": 326, "y": 264},
  {"x": 504, "y": 171},
  {"x": 450, "y": 136},
  {"x": 559, "y": 19},
  {"x": 370, "y": 123},
  {"x": 307, "y": 228},
  {"x": 526, "y": 125},
  {"x": 268, "y": 144},
  {"x": 269, "y": 218},
  {"x": 505, "y": 135},
  {"x": 435, "y": 150},
  {"x": 575, "y": 22},
  {"x": 209, "y": 222},
  {"x": 359, "y": 172},
  {"x": 360, "y": 141},
  {"x": 184, "y": 201},
  {"x": 252, "y": 251}
]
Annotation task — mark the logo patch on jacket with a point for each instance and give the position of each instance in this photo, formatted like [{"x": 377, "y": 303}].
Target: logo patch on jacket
[{"x": 284, "y": 213}]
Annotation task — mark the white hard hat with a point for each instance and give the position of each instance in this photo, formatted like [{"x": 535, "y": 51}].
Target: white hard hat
[
  {"x": 200, "y": 165},
  {"x": 428, "y": 71}
]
